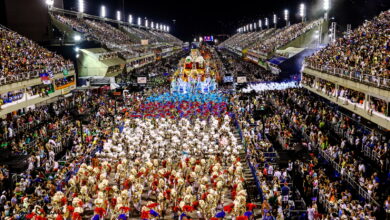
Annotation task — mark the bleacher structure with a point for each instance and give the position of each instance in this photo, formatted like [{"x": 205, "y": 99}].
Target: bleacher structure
[
  {"x": 32, "y": 72},
  {"x": 263, "y": 45},
  {"x": 123, "y": 46}
]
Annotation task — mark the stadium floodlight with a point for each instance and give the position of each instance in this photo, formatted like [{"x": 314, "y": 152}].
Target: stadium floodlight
[
  {"x": 194, "y": 39},
  {"x": 130, "y": 19},
  {"x": 139, "y": 21},
  {"x": 168, "y": 28},
  {"x": 118, "y": 15},
  {"x": 326, "y": 5},
  {"x": 250, "y": 27},
  {"x": 275, "y": 19},
  {"x": 77, "y": 38},
  {"x": 103, "y": 11},
  {"x": 260, "y": 24},
  {"x": 77, "y": 49},
  {"x": 266, "y": 22},
  {"x": 286, "y": 17},
  {"x": 255, "y": 25},
  {"x": 146, "y": 22},
  {"x": 165, "y": 28},
  {"x": 302, "y": 11},
  {"x": 285, "y": 14},
  {"x": 200, "y": 39},
  {"x": 326, "y": 8},
  {"x": 157, "y": 26},
  {"x": 152, "y": 24},
  {"x": 50, "y": 3},
  {"x": 81, "y": 6}
]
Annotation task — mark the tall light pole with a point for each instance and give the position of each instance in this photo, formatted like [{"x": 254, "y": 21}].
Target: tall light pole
[
  {"x": 286, "y": 17},
  {"x": 275, "y": 20},
  {"x": 302, "y": 11},
  {"x": 139, "y": 22},
  {"x": 118, "y": 16},
  {"x": 103, "y": 12},
  {"x": 260, "y": 24},
  {"x": 326, "y": 7},
  {"x": 81, "y": 6},
  {"x": 49, "y": 3},
  {"x": 266, "y": 23},
  {"x": 130, "y": 20}
]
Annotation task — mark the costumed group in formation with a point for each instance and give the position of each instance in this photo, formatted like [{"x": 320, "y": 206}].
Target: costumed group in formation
[{"x": 162, "y": 163}]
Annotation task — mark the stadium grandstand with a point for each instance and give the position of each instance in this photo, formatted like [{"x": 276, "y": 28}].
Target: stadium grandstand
[{"x": 104, "y": 118}]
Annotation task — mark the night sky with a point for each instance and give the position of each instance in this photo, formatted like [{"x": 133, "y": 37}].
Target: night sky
[{"x": 201, "y": 17}]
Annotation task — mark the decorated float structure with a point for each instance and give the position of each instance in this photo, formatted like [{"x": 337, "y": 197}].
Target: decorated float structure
[{"x": 196, "y": 74}]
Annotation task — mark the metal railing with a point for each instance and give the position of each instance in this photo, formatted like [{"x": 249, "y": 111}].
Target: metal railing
[{"x": 355, "y": 75}]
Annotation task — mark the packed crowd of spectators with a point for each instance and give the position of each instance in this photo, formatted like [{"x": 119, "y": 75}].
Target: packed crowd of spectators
[
  {"x": 356, "y": 98},
  {"x": 22, "y": 59},
  {"x": 244, "y": 40},
  {"x": 126, "y": 43},
  {"x": 344, "y": 153},
  {"x": 235, "y": 66},
  {"x": 282, "y": 37},
  {"x": 362, "y": 54}
]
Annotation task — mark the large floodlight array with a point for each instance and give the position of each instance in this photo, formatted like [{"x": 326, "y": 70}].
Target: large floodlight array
[
  {"x": 130, "y": 19},
  {"x": 103, "y": 12},
  {"x": 50, "y": 3},
  {"x": 326, "y": 5},
  {"x": 81, "y": 6},
  {"x": 139, "y": 21},
  {"x": 285, "y": 14},
  {"x": 118, "y": 15},
  {"x": 302, "y": 10}
]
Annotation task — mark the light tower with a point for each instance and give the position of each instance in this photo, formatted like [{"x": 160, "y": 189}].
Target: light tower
[
  {"x": 81, "y": 9},
  {"x": 118, "y": 16},
  {"x": 49, "y": 4},
  {"x": 260, "y": 24},
  {"x": 103, "y": 12},
  {"x": 302, "y": 12},
  {"x": 275, "y": 20},
  {"x": 286, "y": 17},
  {"x": 326, "y": 7},
  {"x": 130, "y": 20},
  {"x": 266, "y": 23}
]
